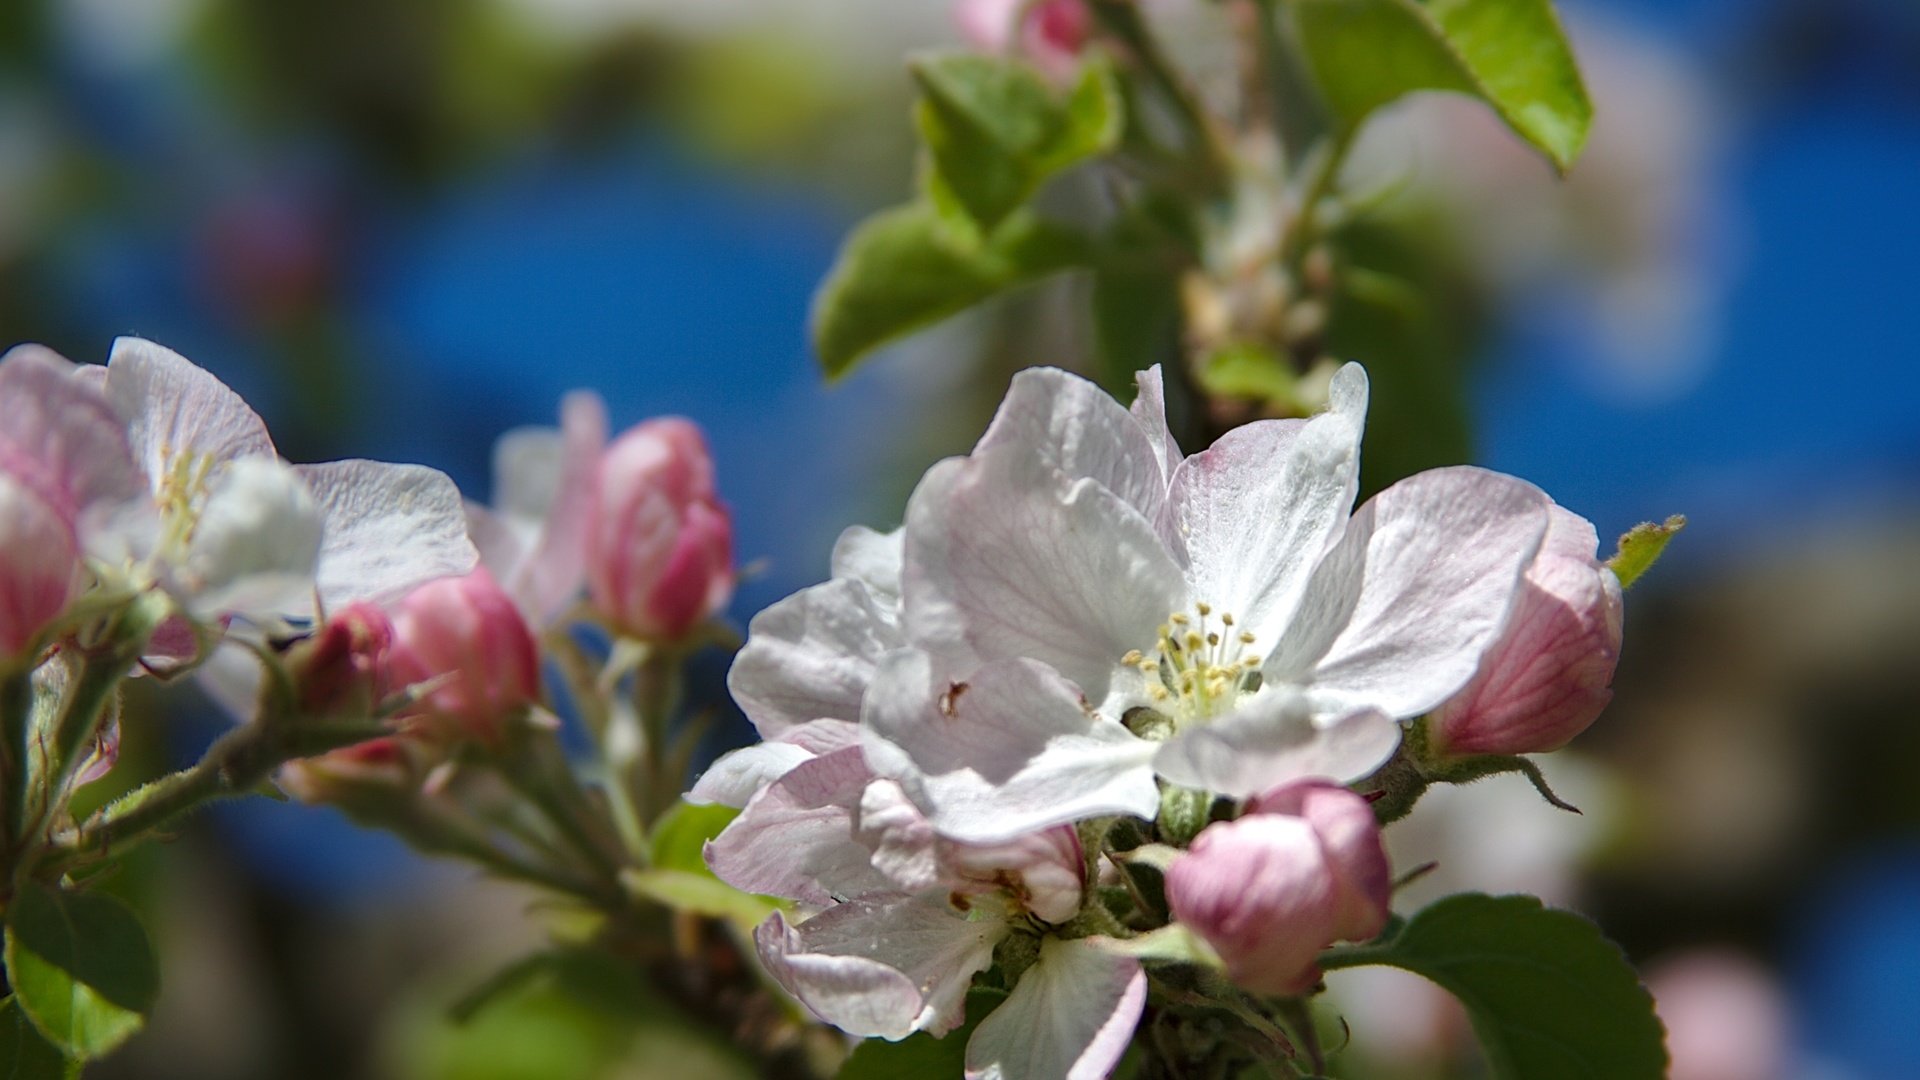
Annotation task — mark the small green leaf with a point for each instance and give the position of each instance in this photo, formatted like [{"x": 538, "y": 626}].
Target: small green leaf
[
  {"x": 995, "y": 130},
  {"x": 908, "y": 267},
  {"x": 24, "y": 1053},
  {"x": 1509, "y": 53},
  {"x": 1171, "y": 944},
  {"x": 1640, "y": 548},
  {"x": 81, "y": 968},
  {"x": 922, "y": 1054},
  {"x": 1550, "y": 998},
  {"x": 1252, "y": 371},
  {"x": 680, "y": 837},
  {"x": 700, "y": 894}
]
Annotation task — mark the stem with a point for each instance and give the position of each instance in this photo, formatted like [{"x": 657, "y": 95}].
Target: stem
[
  {"x": 656, "y": 697},
  {"x": 553, "y": 791},
  {"x": 1326, "y": 170},
  {"x": 1121, "y": 19},
  {"x": 16, "y": 723},
  {"x": 93, "y": 689}
]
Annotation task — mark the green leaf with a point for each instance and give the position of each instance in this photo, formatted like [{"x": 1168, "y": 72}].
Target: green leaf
[
  {"x": 701, "y": 894},
  {"x": 907, "y": 268},
  {"x": 680, "y": 837},
  {"x": 1510, "y": 54},
  {"x": 922, "y": 1054},
  {"x": 1640, "y": 548},
  {"x": 1252, "y": 371},
  {"x": 1550, "y": 998},
  {"x": 995, "y": 130},
  {"x": 81, "y": 968},
  {"x": 24, "y": 1053},
  {"x": 1136, "y": 289}
]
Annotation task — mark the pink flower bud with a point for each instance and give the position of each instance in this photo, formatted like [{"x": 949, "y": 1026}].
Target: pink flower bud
[
  {"x": 465, "y": 638},
  {"x": 1046, "y": 871},
  {"x": 660, "y": 544},
  {"x": 1547, "y": 678},
  {"x": 39, "y": 565},
  {"x": 343, "y": 668},
  {"x": 1272, "y": 889},
  {"x": 394, "y": 763},
  {"x": 1048, "y": 32}
]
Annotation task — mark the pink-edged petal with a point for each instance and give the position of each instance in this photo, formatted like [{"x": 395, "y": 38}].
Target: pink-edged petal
[
  {"x": 1150, "y": 412},
  {"x": 388, "y": 528},
  {"x": 1010, "y": 750},
  {"x": 174, "y": 407},
  {"x": 871, "y": 558},
  {"x": 905, "y": 848},
  {"x": 1003, "y": 561},
  {"x": 884, "y": 967},
  {"x": 811, "y": 656},
  {"x": 1071, "y": 1017},
  {"x": 1070, "y": 425},
  {"x": 740, "y": 774},
  {"x": 1258, "y": 509},
  {"x": 1400, "y": 612},
  {"x": 795, "y": 839},
  {"x": 1274, "y": 740},
  {"x": 60, "y": 435},
  {"x": 555, "y": 567}
]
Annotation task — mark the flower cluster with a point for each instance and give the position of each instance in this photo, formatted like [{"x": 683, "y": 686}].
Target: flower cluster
[{"x": 1097, "y": 700}]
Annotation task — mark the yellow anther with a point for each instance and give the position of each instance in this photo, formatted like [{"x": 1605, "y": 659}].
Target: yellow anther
[
  {"x": 1204, "y": 610},
  {"x": 1194, "y": 641},
  {"x": 1213, "y": 639},
  {"x": 1226, "y": 618},
  {"x": 1246, "y": 637},
  {"x": 1177, "y": 620},
  {"x": 1132, "y": 659}
]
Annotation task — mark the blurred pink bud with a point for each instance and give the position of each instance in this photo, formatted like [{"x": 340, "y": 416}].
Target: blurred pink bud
[
  {"x": 393, "y": 763},
  {"x": 1048, "y": 32},
  {"x": 1726, "y": 1017},
  {"x": 1046, "y": 871},
  {"x": 343, "y": 668},
  {"x": 1272, "y": 889},
  {"x": 465, "y": 638},
  {"x": 39, "y": 565},
  {"x": 660, "y": 543},
  {"x": 1547, "y": 678}
]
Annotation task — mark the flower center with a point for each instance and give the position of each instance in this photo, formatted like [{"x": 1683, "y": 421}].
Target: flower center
[
  {"x": 183, "y": 491},
  {"x": 1200, "y": 666}
]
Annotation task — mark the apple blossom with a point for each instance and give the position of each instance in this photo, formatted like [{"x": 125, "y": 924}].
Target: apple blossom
[
  {"x": 906, "y": 918},
  {"x": 1546, "y": 680},
  {"x": 1085, "y": 609},
  {"x": 1272, "y": 889},
  {"x": 39, "y": 566},
  {"x": 232, "y": 530},
  {"x": 465, "y": 640},
  {"x": 659, "y": 541}
]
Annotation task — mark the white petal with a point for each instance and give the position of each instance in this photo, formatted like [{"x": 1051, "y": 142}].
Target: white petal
[
  {"x": 1070, "y": 1018},
  {"x": 884, "y": 967},
  {"x": 1258, "y": 509},
  {"x": 389, "y": 528},
  {"x": 1074, "y": 427},
  {"x": 231, "y": 677},
  {"x": 740, "y": 774},
  {"x": 811, "y": 656},
  {"x": 560, "y": 497},
  {"x": 174, "y": 407},
  {"x": 501, "y": 542},
  {"x": 905, "y": 847},
  {"x": 1150, "y": 412},
  {"x": 1011, "y": 750},
  {"x": 1273, "y": 740},
  {"x": 1399, "y": 613},
  {"x": 871, "y": 558},
  {"x": 255, "y": 542},
  {"x": 795, "y": 839},
  {"x": 59, "y": 433},
  {"x": 1004, "y": 562}
]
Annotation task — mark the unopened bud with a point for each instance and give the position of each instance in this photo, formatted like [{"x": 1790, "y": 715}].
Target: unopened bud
[
  {"x": 1547, "y": 678},
  {"x": 464, "y": 641},
  {"x": 660, "y": 543},
  {"x": 342, "y": 670},
  {"x": 1272, "y": 889}
]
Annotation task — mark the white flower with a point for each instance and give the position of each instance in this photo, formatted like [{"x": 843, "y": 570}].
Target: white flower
[
  {"x": 904, "y": 919},
  {"x": 1082, "y": 609},
  {"x": 233, "y": 531}
]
